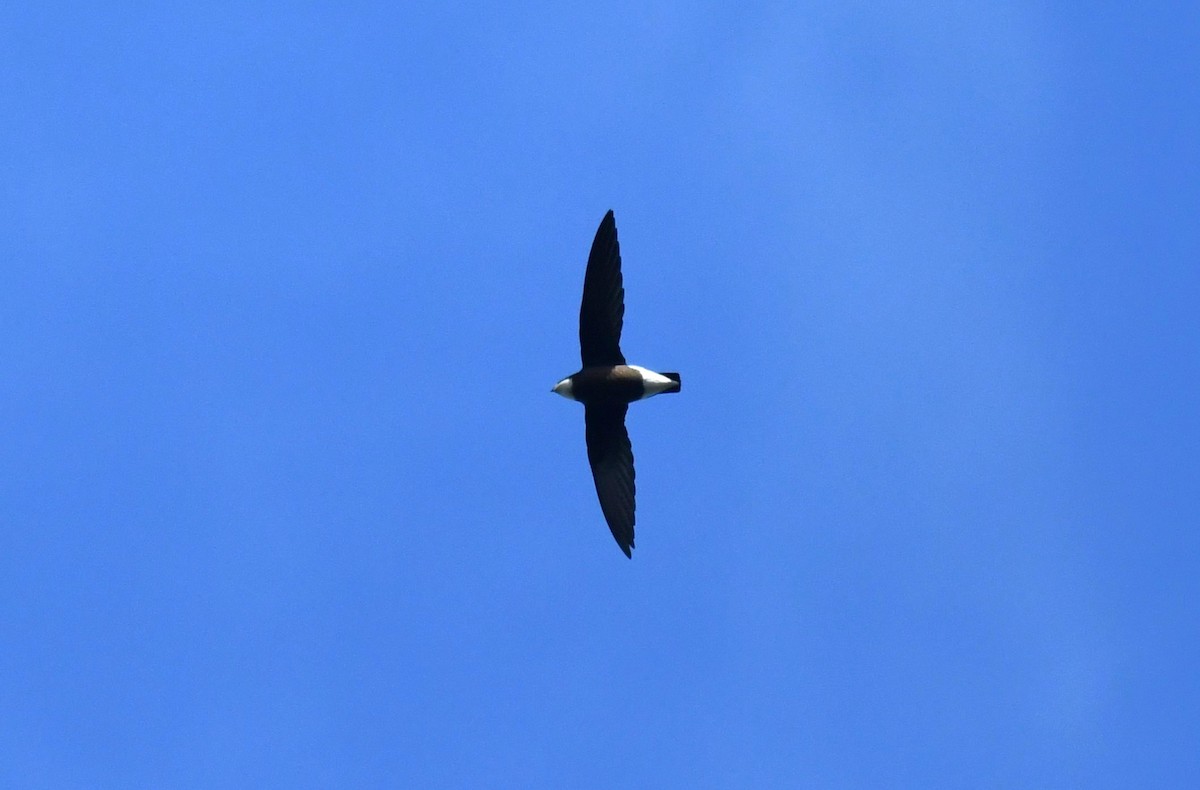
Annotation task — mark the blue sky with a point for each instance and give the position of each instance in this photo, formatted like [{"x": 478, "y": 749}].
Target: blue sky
[{"x": 285, "y": 499}]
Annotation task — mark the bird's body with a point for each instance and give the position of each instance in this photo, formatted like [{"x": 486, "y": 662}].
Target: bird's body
[
  {"x": 617, "y": 384},
  {"x": 606, "y": 385}
]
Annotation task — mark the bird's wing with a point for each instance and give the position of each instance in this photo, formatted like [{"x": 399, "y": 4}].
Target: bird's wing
[
  {"x": 611, "y": 458},
  {"x": 603, "y": 310}
]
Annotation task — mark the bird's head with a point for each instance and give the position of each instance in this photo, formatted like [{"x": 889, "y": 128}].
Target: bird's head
[{"x": 564, "y": 388}]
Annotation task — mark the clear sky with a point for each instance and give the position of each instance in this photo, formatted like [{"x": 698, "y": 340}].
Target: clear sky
[{"x": 285, "y": 499}]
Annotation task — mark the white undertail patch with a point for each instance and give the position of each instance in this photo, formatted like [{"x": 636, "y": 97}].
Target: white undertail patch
[{"x": 652, "y": 382}]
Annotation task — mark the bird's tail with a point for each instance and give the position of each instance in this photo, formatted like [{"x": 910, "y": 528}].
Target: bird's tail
[{"x": 675, "y": 378}]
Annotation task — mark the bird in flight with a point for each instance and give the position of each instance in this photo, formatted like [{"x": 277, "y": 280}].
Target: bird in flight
[{"x": 606, "y": 386}]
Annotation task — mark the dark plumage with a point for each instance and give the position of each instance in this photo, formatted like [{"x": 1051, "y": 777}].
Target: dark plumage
[
  {"x": 611, "y": 457},
  {"x": 606, "y": 385},
  {"x": 602, "y": 311}
]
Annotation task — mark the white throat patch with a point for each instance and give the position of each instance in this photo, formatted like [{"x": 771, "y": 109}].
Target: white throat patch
[{"x": 564, "y": 388}]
